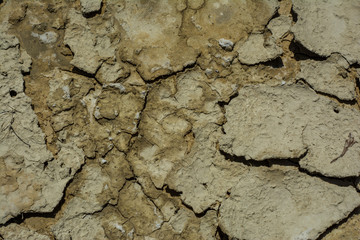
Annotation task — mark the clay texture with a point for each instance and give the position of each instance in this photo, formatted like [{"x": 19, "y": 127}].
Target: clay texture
[{"x": 184, "y": 119}]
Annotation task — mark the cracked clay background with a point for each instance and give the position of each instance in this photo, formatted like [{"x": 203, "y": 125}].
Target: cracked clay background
[{"x": 179, "y": 119}]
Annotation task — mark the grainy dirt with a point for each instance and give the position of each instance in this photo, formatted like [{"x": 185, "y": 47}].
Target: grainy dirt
[{"x": 147, "y": 127}]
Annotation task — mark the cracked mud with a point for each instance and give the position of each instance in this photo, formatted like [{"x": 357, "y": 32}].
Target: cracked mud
[{"x": 186, "y": 119}]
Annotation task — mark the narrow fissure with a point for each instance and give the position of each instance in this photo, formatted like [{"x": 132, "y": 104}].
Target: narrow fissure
[
  {"x": 176, "y": 194},
  {"x": 82, "y": 72},
  {"x": 294, "y": 162},
  {"x": 23, "y": 216},
  {"x": 276, "y": 14},
  {"x": 294, "y": 15},
  {"x": 166, "y": 76},
  {"x": 302, "y": 53},
  {"x": 336, "y": 225},
  {"x": 275, "y": 63},
  {"x": 332, "y": 97},
  {"x": 221, "y": 234}
]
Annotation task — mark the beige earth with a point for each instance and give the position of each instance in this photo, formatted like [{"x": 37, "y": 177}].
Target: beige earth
[{"x": 179, "y": 119}]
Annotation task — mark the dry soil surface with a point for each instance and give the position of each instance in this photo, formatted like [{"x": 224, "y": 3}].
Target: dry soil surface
[{"x": 179, "y": 119}]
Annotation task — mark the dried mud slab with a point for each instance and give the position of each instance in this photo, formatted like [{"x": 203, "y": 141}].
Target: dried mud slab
[
  {"x": 151, "y": 36},
  {"x": 279, "y": 26},
  {"x": 303, "y": 206},
  {"x": 14, "y": 231},
  {"x": 89, "y": 42},
  {"x": 330, "y": 77},
  {"x": 214, "y": 19},
  {"x": 257, "y": 49},
  {"x": 284, "y": 122},
  {"x": 32, "y": 180},
  {"x": 335, "y": 21}
]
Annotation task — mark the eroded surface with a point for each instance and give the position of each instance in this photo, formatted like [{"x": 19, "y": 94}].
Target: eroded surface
[{"x": 179, "y": 120}]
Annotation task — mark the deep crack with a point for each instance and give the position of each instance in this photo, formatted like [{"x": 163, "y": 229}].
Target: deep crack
[
  {"x": 336, "y": 225},
  {"x": 294, "y": 162}
]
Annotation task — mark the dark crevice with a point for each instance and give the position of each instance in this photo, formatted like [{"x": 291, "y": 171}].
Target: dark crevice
[
  {"x": 221, "y": 234},
  {"x": 68, "y": 47},
  {"x": 172, "y": 192},
  {"x": 23, "y": 216},
  {"x": 46, "y": 164},
  {"x": 24, "y": 86},
  {"x": 302, "y": 53},
  {"x": 333, "y": 97},
  {"x": 27, "y": 73},
  {"x": 222, "y": 104},
  {"x": 336, "y": 225},
  {"x": 341, "y": 182},
  {"x": 177, "y": 194},
  {"x": 294, "y": 15},
  {"x": 294, "y": 162},
  {"x": 357, "y": 81},
  {"x": 13, "y": 93},
  {"x": 276, "y": 14},
  {"x": 82, "y": 72},
  {"x": 276, "y": 63},
  {"x": 198, "y": 215},
  {"x": 132, "y": 179},
  {"x": 263, "y": 163},
  {"x": 142, "y": 110},
  {"x": 165, "y": 76}
]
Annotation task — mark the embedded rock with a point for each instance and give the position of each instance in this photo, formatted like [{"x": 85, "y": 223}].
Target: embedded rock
[
  {"x": 290, "y": 197},
  {"x": 326, "y": 27},
  {"x": 330, "y": 77},
  {"x": 257, "y": 49}
]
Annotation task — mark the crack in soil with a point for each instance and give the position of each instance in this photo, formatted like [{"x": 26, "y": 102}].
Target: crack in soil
[
  {"x": 332, "y": 97},
  {"x": 294, "y": 162},
  {"x": 336, "y": 225}
]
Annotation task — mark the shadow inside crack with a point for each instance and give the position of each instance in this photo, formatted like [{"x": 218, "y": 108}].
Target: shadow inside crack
[
  {"x": 275, "y": 63},
  {"x": 302, "y": 53},
  {"x": 221, "y": 234},
  {"x": 331, "y": 96},
  {"x": 336, "y": 225},
  {"x": 19, "y": 219},
  {"x": 172, "y": 192},
  {"x": 266, "y": 163},
  {"x": 294, "y": 15},
  {"x": 293, "y": 162}
]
